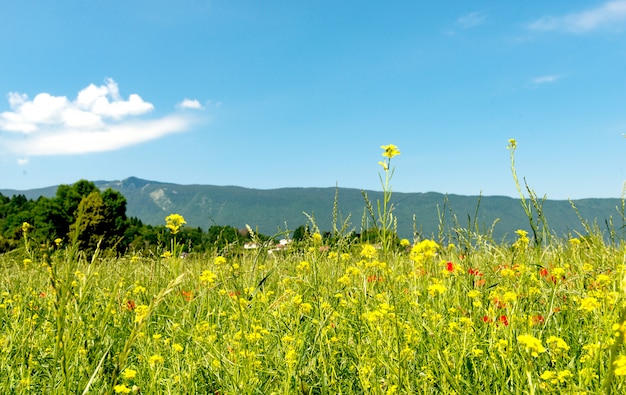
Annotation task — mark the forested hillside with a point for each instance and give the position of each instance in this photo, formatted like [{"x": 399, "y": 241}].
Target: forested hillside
[{"x": 274, "y": 209}]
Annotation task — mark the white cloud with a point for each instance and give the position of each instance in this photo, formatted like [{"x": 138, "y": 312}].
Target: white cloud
[
  {"x": 545, "y": 79},
  {"x": 610, "y": 15},
  {"x": 470, "y": 20},
  {"x": 189, "y": 104},
  {"x": 99, "y": 119},
  {"x": 109, "y": 138},
  {"x": 22, "y": 161}
]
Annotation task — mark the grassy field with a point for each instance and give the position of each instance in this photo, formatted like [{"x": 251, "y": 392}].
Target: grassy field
[{"x": 319, "y": 317}]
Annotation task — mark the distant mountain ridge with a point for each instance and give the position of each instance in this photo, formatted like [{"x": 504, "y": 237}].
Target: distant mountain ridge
[{"x": 283, "y": 208}]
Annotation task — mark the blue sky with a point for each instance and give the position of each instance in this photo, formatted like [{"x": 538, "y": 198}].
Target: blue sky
[{"x": 303, "y": 93}]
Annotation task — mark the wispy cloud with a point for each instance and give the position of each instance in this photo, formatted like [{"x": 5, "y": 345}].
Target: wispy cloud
[
  {"x": 189, "y": 104},
  {"x": 610, "y": 15},
  {"x": 545, "y": 79},
  {"x": 470, "y": 20},
  {"x": 98, "y": 120}
]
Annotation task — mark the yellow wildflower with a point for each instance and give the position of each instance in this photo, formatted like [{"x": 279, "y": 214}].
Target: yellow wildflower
[
  {"x": 589, "y": 304},
  {"x": 305, "y": 308},
  {"x": 141, "y": 312},
  {"x": 121, "y": 389},
  {"x": 173, "y": 222},
  {"x": 129, "y": 374},
  {"x": 177, "y": 347},
  {"x": 522, "y": 240},
  {"x": 207, "y": 277},
  {"x": 155, "y": 359},
  {"x": 620, "y": 366},
  {"x": 557, "y": 344},
  {"x": 219, "y": 260},
  {"x": 368, "y": 251},
  {"x": 436, "y": 289},
  {"x": 574, "y": 242},
  {"x": 317, "y": 238},
  {"x": 390, "y": 150},
  {"x": 512, "y": 144},
  {"x": 423, "y": 250},
  {"x": 531, "y": 344}
]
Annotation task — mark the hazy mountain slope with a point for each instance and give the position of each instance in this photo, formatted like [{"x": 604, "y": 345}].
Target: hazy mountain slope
[{"x": 274, "y": 209}]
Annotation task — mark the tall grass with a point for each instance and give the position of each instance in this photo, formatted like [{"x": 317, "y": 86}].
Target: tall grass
[{"x": 481, "y": 317}]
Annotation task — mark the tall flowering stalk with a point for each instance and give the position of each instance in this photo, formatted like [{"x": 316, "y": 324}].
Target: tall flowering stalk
[
  {"x": 385, "y": 209},
  {"x": 539, "y": 226},
  {"x": 174, "y": 222}
]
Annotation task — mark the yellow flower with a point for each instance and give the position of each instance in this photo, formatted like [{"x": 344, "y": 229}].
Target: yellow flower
[
  {"x": 317, "y": 238},
  {"x": 177, "y": 347},
  {"x": 390, "y": 151},
  {"x": 173, "y": 222},
  {"x": 512, "y": 144},
  {"x": 523, "y": 240},
  {"x": 574, "y": 242},
  {"x": 436, "y": 289},
  {"x": 121, "y": 389},
  {"x": 166, "y": 255},
  {"x": 531, "y": 344},
  {"x": 26, "y": 227},
  {"x": 303, "y": 266},
  {"x": 58, "y": 241},
  {"x": 291, "y": 357},
  {"x": 368, "y": 251},
  {"x": 423, "y": 250},
  {"x": 305, "y": 308},
  {"x": 155, "y": 359},
  {"x": 207, "y": 277},
  {"x": 548, "y": 375},
  {"x": 219, "y": 260},
  {"x": 589, "y": 304},
  {"x": 405, "y": 243},
  {"x": 27, "y": 261},
  {"x": 620, "y": 366},
  {"x": 129, "y": 374},
  {"x": 557, "y": 344},
  {"x": 141, "y": 312}
]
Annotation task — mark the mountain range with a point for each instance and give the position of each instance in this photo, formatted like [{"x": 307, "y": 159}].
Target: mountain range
[{"x": 271, "y": 211}]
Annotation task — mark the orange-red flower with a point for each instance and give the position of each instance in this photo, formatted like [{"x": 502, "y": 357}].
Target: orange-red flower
[{"x": 187, "y": 295}]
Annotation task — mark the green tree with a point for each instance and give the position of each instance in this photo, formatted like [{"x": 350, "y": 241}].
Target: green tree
[
  {"x": 222, "y": 236},
  {"x": 100, "y": 219}
]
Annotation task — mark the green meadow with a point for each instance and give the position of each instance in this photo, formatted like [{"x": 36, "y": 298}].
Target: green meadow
[{"x": 461, "y": 314}]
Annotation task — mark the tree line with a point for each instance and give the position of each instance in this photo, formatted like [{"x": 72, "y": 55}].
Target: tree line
[{"x": 97, "y": 220}]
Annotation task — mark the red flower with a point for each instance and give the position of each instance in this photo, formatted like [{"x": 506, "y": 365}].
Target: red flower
[
  {"x": 499, "y": 304},
  {"x": 130, "y": 305},
  {"x": 486, "y": 319},
  {"x": 474, "y": 272},
  {"x": 543, "y": 272},
  {"x": 187, "y": 295},
  {"x": 450, "y": 266},
  {"x": 503, "y": 320},
  {"x": 538, "y": 319},
  {"x": 374, "y": 278}
]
